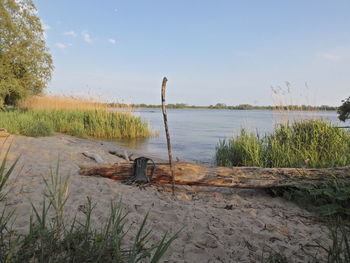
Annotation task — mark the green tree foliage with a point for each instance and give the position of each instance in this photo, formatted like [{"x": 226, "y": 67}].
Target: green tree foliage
[
  {"x": 344, "y": 110},
  {"x": 25, "y": 64}
]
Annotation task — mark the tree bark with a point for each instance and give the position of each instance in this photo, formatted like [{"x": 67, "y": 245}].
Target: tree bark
[{"x": 236, "y": 177}]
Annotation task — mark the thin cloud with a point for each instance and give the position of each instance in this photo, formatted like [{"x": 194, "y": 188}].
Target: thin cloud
[
  {"x": 62, "y": 45},
  {"x": 329, "y": 56},
  {"x": 112, "y": 41},
  {"x": 70, "y": 33},
  {"x": 86, "y": 37},
  {"x": 340, "y": 53}
]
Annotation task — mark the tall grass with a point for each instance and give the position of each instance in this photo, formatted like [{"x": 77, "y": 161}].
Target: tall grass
[
  {"x": 309, "y": 143},
  {"x": 62, "y": 103},
  {"x": 54, "y": 240},
  {"x": 82, "y": 123},
  {"x": 83, "y": 117}
]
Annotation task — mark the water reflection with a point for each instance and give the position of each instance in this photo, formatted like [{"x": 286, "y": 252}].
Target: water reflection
[{"x": 139, "y": 143}]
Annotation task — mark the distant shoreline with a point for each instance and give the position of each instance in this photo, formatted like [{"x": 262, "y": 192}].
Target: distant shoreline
[{"x": 220, "y": 106}]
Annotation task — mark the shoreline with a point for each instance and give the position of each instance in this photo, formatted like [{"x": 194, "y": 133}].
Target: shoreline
[{"x": 221, "y": 225}]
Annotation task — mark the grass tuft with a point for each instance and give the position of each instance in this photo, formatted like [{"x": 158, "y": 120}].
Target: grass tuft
[
  {"x": 339, "y": 250},
  {"x": 272, "y": 256},
  {"x": 5, "y": 173},
  {"x": 311, "y": 143}
]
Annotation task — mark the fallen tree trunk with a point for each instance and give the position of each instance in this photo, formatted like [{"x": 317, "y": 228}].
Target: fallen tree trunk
[{"x": 236, "y": 177}]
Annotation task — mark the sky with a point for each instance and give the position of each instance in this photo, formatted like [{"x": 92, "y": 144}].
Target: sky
[{"x": 211, "y": 51}]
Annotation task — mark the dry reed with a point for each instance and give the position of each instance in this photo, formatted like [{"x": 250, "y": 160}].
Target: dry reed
[
  {"x": 82, "y": 117},
  {"x": 57, "y": 102},
  {"x": 62, "y": 103}
]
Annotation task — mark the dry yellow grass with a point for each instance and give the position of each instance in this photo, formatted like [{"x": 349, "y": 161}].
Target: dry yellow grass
[
  {"x": 62, "y": 103},
  {"x": 286, "y": 105},
  {"x": 281, "y": 97}
]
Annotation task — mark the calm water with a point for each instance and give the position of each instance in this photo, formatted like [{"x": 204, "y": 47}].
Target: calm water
[{"x": 195, "y": 133}]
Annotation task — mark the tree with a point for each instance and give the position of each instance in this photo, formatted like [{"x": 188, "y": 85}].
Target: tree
[
  {"x": 344, "y": 110},
  {"x": 25, "y": 64},
  {"x": 220, "y": 106}
]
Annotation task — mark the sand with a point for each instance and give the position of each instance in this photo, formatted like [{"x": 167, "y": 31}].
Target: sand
[{"x": 221, "y": 225}]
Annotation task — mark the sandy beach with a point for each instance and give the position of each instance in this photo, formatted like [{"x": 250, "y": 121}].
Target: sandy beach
[{"x": 220, "y": 225}]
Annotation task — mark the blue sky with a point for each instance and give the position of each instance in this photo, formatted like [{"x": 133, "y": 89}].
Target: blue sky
[{"x": 212, "y": 51}]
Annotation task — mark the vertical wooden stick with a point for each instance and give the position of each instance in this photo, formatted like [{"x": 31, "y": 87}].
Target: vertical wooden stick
[{"x": 167, "y": 133}]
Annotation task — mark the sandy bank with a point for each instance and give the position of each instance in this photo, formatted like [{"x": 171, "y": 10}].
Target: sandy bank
[{"x": 212, "y": 232}]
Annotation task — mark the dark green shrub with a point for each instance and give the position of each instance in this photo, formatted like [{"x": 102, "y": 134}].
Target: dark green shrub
[{"x": 344, "y": 110}]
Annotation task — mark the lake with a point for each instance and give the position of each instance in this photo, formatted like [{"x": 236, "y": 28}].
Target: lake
[{"x": 196, "y": 132}]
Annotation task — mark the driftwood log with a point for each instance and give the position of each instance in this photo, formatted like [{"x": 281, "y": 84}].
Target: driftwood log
[
  {"x": 93, "y": 156},
  {"x": 124, "y": 155},
  {"x": 237, "y": 177}
]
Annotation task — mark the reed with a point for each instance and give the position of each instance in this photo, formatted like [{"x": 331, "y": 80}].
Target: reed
[
  {"x": 62, "y": 103},
  {"x": 309, "y": 143},
  {"x": 76, "y": 122}
]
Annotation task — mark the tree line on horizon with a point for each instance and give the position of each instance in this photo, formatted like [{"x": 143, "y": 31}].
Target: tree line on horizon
[{"x": 228, "y": 107}]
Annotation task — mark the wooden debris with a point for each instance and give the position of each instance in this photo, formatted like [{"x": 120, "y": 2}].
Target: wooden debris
[
  {"x": 236, "y": 177},
  {"x": 93, "y": 156},
  {"x": 124, "y": 155}
]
